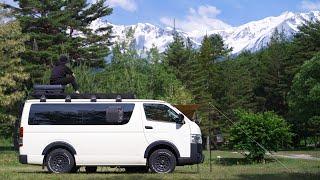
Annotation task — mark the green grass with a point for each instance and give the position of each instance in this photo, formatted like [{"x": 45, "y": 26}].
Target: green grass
[{"x": 228, "y": 166}]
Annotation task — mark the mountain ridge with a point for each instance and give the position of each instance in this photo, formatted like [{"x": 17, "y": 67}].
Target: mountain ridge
[{"x": 251, "y": 36}]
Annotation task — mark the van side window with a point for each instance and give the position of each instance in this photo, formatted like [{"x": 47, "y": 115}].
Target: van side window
[
  {"x": 160, "y": 112},
  {"x": 80, "y": 114}
]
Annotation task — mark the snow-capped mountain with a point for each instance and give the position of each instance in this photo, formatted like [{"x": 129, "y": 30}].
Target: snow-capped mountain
[{"x": 251, "y": 36}]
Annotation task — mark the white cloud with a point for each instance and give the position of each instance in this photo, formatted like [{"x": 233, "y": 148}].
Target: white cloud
[
  {"x": 129, "y": 5},
  {"x": 208, "y": 11},
  {"x": 202, "y": 19},
  {"x": 310, "y": 5}
]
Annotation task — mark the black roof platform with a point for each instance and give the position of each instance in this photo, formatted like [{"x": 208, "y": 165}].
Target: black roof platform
[{"x": 57, "y": 92}]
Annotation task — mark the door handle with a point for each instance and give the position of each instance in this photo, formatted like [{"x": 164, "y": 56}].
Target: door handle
[{"x": 148, "y": 127}]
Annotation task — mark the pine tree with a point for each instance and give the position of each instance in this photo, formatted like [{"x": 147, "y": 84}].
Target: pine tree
[
  {"x": 62, "y": 27},
  {"x": 205, "y": 75},
  {"x": 235, "y": 85},
  {"x": 306, "y": 42},
  {"x": 175, "y": 55},
  {"x": 274, "y": 82},
  {"x": 219, "y": 48},
  {"x": 204, "y": 72},
  {"x": 12, "y": 73}
]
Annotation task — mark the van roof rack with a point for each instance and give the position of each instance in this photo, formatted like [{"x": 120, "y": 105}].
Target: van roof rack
[{"x": 57, "y": 92}]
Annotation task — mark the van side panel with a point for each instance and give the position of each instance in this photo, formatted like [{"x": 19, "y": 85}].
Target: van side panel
[{"x": 94, "y": 144}]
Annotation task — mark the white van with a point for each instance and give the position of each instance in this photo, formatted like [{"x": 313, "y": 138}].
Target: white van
[{"x": 138, "y": 135}]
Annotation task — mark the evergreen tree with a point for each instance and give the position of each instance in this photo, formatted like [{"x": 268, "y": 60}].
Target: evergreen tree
[
  {"x": 235, "y": 85},
  {"x": 190, "y": 65},
  {"x": 219, "y": 48},
  {"x": 176, "y": 56},
  {"x": 303, "y": 47},
  {"x": 304, "y": 101},
  {"x": 205, "y": 74},
  {"x": 274, "y": 83},
  {"x": 306, "y": 42},
  {"x": 12, "y": 73},
  {"x": 62, "y": 27}
]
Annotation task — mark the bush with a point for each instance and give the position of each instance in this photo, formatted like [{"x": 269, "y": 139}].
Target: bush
[{"x": 268, "y": 129}]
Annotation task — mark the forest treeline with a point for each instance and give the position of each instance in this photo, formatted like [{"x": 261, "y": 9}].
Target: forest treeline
[{"x": 283, "y": 77}]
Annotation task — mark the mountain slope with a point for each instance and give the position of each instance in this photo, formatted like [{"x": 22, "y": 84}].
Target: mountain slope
[{"x": 251, "y": 36}]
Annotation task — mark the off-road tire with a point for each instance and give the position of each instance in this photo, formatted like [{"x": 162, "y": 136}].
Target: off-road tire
[
  {"x": 60, "y": 161},
  {"x": 162, "y": 161}
]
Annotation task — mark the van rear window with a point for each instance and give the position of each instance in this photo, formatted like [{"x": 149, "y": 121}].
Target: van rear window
[{"x": 80, "y": 114}]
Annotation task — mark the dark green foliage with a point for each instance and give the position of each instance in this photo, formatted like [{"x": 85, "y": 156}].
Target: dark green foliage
[
  {"x": 204, "y": 74},
  {"x": 268, "y": 129},
  {"x": 236, "y": 85},
  {"x": 62, "y": 27},
  {"x": 306, "y": 42},
  {"x": 176, "y": 55},
  {"x": 273, "y": 82},
  {"x": 304, "y": 100},
  {"x": 303, "y": 47}
]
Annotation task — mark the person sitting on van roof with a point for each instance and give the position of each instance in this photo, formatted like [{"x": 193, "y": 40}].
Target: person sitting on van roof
[{"x": 62, "y": 74}]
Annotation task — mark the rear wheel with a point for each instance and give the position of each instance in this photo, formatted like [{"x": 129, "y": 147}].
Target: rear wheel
[
  {"x": 162, "y": 161},
  {"x": 60, "y": 161},
  {"x": 91, "y": 169}
]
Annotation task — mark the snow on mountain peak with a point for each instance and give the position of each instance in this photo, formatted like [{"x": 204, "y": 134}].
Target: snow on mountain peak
[{"x": 251, "y": 36}]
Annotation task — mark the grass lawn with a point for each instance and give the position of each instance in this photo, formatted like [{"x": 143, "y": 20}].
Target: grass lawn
[{"x": 229, "y": 166}]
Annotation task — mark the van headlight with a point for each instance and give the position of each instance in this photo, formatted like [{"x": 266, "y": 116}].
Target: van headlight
[{"x": 196, "y": 138}]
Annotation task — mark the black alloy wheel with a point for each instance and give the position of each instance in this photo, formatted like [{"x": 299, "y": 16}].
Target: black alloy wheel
[
  {"x": 60, "y": 161},
  {"x": 162, "y": 161}
]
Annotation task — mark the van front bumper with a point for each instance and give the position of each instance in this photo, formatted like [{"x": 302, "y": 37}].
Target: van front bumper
[
  {"x": 23, "y": 159},
  {"x": 196, "y": 156}
]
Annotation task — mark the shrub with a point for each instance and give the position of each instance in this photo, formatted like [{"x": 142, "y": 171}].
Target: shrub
[{"x": 268, "y": 129}]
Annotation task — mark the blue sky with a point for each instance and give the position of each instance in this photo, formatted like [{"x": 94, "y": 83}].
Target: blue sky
[
  {"x": 233, "y": 12},
  {"x": 191, "y": 13}
]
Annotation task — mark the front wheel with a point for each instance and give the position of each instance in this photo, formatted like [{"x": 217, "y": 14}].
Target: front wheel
[
  {"x": 60, "y": 161},
  {"x": 162, "y": 161}
]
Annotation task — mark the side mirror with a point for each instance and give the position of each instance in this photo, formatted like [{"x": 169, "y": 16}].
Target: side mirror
[{"x": 180, "y": 120}]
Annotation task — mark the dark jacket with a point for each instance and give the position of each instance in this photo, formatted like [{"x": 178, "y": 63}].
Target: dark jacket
[{"x": 60, "y": 70}]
